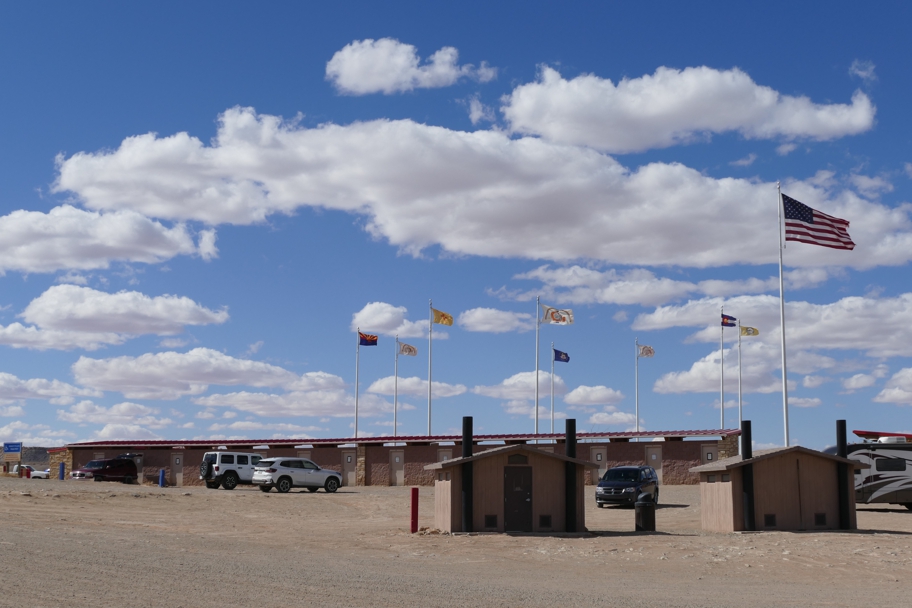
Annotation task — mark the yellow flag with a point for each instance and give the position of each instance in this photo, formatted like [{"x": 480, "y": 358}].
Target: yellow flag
[
  {"x": 443, "y": 318},
  {"x": 749, "y": 331}
]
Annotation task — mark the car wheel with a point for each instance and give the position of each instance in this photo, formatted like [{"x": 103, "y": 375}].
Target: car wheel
[
  {"x": 332, "y": 484},
  {"x": 128, "y": 480},
  {"x": 284, "y": 485},
  {"x": 265, "y": 488},
  {"x": 656, "y": 499},
  {"x": 600, "y": 505},
  {"x": 312, "y": 489},
  {"x": 98, "y": 478},
  {"x": 205, "y": 470},
  {"x": 230, "y": 481},
  {"x": 212, "y": 485}
]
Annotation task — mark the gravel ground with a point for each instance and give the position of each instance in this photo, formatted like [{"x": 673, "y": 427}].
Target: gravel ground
[{"x": 103, "y": 544}]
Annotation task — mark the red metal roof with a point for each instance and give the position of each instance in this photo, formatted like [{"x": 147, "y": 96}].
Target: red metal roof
[
  {"x": 878, "y": 434},
  {"x": 402, "y": 439}
]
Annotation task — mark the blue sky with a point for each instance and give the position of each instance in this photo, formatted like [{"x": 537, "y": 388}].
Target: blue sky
[{"x": 200, "y": 204}]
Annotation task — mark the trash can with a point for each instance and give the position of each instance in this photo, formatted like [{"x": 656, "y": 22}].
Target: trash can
[{"x": 645, "y": 508}]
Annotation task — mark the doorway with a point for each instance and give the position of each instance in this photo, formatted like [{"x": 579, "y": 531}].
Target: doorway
[
  {"x": 654, "y": 459},
  {"x": 709, "y": 453},
  {"x": 517, "y": 499},
  {"x": 397, "y": 468},
  {"x": 177, "y": 469},
  {"x": 348, "y": 468},
  {"x": 444, "y": 454},
  {"x": 599, "y": 455}
]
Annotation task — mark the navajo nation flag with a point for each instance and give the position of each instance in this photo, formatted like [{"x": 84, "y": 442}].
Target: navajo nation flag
[{"x": 807, "y": 225}]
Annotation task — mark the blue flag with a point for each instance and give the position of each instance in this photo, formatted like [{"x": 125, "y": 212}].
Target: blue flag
[
  {"x": 560, "y": 355},
  {"x": 728, "y": 321}
]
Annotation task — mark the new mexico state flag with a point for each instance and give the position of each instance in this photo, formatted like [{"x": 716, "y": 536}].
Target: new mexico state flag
[{"x": 443, "y": 318}]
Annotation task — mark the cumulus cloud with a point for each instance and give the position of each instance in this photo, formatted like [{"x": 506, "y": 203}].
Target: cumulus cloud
[
  {"x": 496, "y": 321},
  {"x": 804, "y": 401},
  {"x": 12, "y": 411},
  {"x": 329, "y": 403},
  {"x": 864, "y": 70},
  {"x": 898, "y": 389},
  {"x": 858, "y": 381},
  {"x": 593, "y": 395},
  {"x": 390, "y": 320},
  {"x": 13, "y": 389},
  {"x": 760, "y": 365},
  {"x": 123, "y": 432},
  {"x": 124, "y": 414},
  {"x": 170, "y": 375},
  {"x": 747, "y": 161},
  {"x": 67, "y": 238},
  {"x": 415, "y": 386},
  {"x": 522, "y": 386},
  {"x": 479, "y": 112},
  {"x": 33, "y": 434},
  {"x": 673, "y": 107},
  {"x": 389, "y": 66},
  {"x": 614, "y": 418},
  {"x": 500, "y": 194},
  {"x": 282, "y": 427}
]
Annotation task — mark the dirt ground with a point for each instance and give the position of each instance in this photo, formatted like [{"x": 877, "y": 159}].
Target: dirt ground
[{"x": 103, "y": 544}]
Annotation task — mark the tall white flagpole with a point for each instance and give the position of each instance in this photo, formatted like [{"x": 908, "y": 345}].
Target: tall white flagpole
[
  {"x": 552, "y": 388},
  {"x": 430, "y": 333},
  {"x": 357, "y": 373},
  {"x": 636, "y": 390},
  {"x": 722, "y": 370},
  {"x": 537, "y": 326},
  {"x": 396, "y": 389},
  {"x": 740, "y": 416},
  {"x": 785, "y": 401}
]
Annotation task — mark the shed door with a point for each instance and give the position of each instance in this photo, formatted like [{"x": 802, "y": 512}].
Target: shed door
[
  {"x": 177, "y": 469},
  {"x": 397, "y": 467},
  {"x": 599, "y": 455},
  {"x": 443, "y": 455},
  {"x": 654, "y": 459},
  {"x": 517, "y": 499},
  {"x": 348, "y": 468},
  {"x": 709, "y": 453}
]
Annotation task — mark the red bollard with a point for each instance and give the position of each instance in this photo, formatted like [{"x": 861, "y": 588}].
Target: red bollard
[
  {"x": 28, "y": 473},
  {"x": 414, "y": 510}
]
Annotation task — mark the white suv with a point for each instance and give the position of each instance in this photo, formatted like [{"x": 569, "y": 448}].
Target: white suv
[
  {"x": 227, "y": 469},
  {"x": 283, "y": 474}
]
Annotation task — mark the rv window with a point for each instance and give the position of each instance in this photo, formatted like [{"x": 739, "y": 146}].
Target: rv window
[{"x": 890, "y": 464}]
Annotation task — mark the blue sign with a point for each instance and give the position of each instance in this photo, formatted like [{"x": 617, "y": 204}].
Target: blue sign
[{"x": 12, "y": 448}]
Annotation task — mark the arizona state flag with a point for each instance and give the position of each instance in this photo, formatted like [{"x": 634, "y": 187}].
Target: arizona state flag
[
  {"x": 367, "y": 339},
  {"x": 443, "y": 318}
]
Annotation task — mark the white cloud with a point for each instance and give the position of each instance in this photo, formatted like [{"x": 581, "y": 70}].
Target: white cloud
[
  {"x": 33, "y": 434},
  {"x": 66, "y": 238},
  {"x": 813, "y": 381},
  {"x": 870, "y": 187},
  {"x": 389, "y": 66},
  {"x": 858, "y": 381},
  {"x": 786, "y": 149},
  {"x": 11, "y": 411},
  {"x": 479, "y": 112},
  {"x": 114, "y": 432},
  {"x": 864, "y": 70},
  {"x": 613, "y": 418},
  {"x": 126, "y": 414},
  {"x": 747, "y": 161},
  {"x": 283, "y": 427},
  {"x": 898, "y": 389},
  {"x": 170, "y": 375},
  {"x": 255, "y": 347},
  {"x": 499, "y": 192},
  {"x": 496, "y": 321},
  {"x": 390, "y": 320},
  {"x": 522, "y": 386},
  {"x": 804, "y": 401},
  {"x": 415, "y": 386},
  {"x": 593, "y": 395},
  {"x": 673, "y": 107},
  {"x": 13, "y": 389},
  {"x": 332, "y": 403}
]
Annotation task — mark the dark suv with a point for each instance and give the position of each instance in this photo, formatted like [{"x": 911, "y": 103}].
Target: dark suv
[
  {"x": 622, "y": 485},
  {"x": 121, "y": 468}
]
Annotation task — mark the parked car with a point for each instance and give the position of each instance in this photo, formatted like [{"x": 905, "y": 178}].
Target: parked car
[
  {"x": 33, "y": 473},
  {"x": 121, "y": 469},
  {"x": 622, "y": 485},
  {"x": 227, "y": 469},
  {"x": 283, "y": 474}
]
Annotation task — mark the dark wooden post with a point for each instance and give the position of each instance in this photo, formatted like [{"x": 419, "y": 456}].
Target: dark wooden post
[
  {"x": 842, "y": 483},
  {"x": 468, "y": 498},
  {"x": 570, "y": 476},
  {"x": 747, "y": 452}
]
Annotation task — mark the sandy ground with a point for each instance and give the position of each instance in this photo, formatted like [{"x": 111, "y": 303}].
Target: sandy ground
[{"x": 103, "y": 544}]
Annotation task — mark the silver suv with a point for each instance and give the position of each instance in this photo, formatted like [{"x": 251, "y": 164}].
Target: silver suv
[
  {"x": 283, "y": 474},
  {"x": 227, "y": 469}
]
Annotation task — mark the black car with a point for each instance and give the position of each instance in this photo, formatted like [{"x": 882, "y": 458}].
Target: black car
[
  {"x": 622, "y": 485},
  {"x": 121, "y": 469}
]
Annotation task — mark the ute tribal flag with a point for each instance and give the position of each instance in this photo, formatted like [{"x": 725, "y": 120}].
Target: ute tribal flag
[
  {"x": 728, "y": 321},
  {"x": 556, "y": 316},
  {"x": 441, "y": 317},
  {"x": 807, "y": 225},
  {"x": 367, "y": 339},
  {"x": 560, "y": 355},
  {"x": 749, "y": 331},
  {"x": 645, "y": 351},
  {"x": 407, "y": 349}
]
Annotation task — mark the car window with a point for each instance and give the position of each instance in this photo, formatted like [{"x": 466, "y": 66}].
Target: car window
[
  {"x": 643, "y": 476},
  {"x": 241, "y": 459},
  {"x": 287, "y": 463},
  {"x": 210, "y": 458},
  {"x": 94, "y": 464},
  {"x": 227, "y": 458},
  {"x": 264, "y": 464},
  {"x": 309, "y": 465},
  {"x": 620, "y": 475},
  {"x": 254, "y": 459}
]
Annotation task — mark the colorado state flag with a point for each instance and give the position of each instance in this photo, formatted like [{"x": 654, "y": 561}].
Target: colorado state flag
[{"x": 728, "y": 321}]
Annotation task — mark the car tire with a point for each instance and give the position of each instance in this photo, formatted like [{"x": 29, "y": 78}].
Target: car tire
[
  {"x": 128, "y": 480},
  {"x": 656, "y": 499},
  {"x": 205, "y": 470},
  {"x": 283, "y": 485},
  {"x": 265, "y": 488},
  {"x": 332, "y": 484},
  {"x": 230, "y": 481},
  {"x": 213, "y": 485},
  {"x": 99, "y": 478},
  {"x": 600, "y": 505}
]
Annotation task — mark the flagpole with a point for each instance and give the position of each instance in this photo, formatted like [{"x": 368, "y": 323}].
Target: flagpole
[
  {"x": 357, "y": 374},
  {"x": 537, "y": 326},
  {"x": 636, "y": 390},
  {"x": 740, "y": 416},
  {"x": 430, "y": 333},
  {"x": 396, "y": 389},
  {"x": 722, "y": 369},
  {"x": 785, "y": 406},
  {"x": 552, "y": 388}
]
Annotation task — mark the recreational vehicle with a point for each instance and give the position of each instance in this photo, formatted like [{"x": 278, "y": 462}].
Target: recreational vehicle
[{"x": 889, "y": 480}]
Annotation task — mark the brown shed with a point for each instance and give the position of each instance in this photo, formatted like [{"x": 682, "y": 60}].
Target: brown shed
[
  {"x": 516, "y": 488},
  {"x": 794, "y": 488}
]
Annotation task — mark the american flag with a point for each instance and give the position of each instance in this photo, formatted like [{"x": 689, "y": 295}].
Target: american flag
[{"x": 807, "y": 225}]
